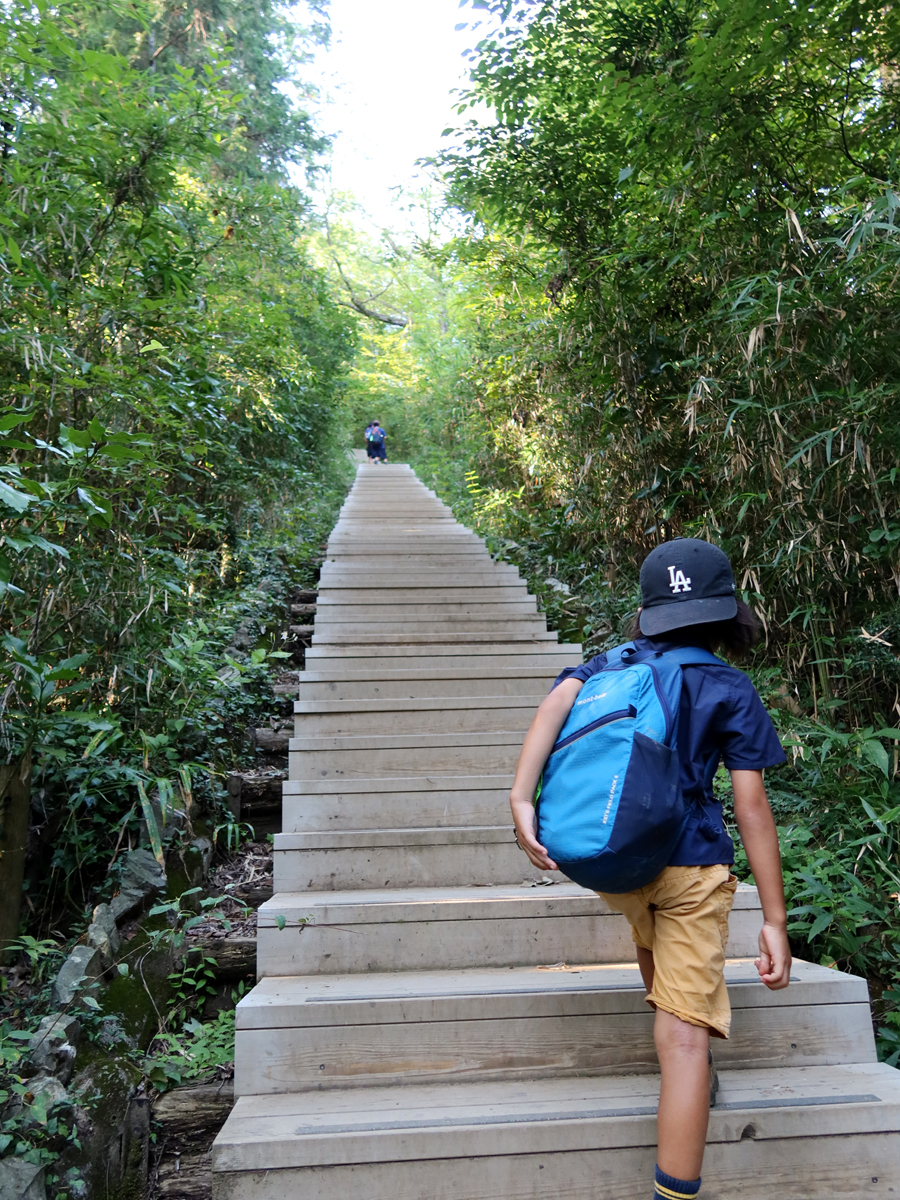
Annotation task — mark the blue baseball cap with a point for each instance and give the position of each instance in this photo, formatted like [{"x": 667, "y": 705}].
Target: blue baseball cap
[{"x": 685, "y": 582}]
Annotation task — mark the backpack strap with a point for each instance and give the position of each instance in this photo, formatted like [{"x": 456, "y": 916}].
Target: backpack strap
[
  {"x": 693, "y": 656},
  {"x": 620, "y": 654},
  {"x": 684, "y": 656}
]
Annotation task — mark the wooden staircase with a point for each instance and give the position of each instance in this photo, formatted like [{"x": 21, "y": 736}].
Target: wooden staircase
[{"x": 434, "y": 1019}]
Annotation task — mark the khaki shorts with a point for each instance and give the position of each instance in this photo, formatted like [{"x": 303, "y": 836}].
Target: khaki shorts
[{"x": 682, "y": 917}]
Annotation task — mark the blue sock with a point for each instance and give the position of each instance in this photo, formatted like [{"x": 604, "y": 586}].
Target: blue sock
[{"x": 670, "y": 1188}]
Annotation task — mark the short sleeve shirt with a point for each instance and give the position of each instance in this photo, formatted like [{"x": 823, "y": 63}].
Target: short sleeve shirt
[{"x": 721, "y": 719}]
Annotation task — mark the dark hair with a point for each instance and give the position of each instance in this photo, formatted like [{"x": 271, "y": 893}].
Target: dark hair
[{"x": 734, "y": 637}]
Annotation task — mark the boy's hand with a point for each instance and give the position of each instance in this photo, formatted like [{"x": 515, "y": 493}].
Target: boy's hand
[
  {"x": 774, "y": 962},
  {"x": 526, "y": 821}
]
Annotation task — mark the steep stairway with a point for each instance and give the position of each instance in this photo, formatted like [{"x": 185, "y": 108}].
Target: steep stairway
[{"x": 436, "y": 1020}]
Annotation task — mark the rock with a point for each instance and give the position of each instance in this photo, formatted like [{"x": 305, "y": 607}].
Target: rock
[
  {"x": 204, "y": 847},
  {"x": 142, "y": 879},
  {"x": 243, "y": 639},
  {"x": 103, "y": 935},
  {"x": 49, "y": 1092},
  {"x": 54, "y": 1044},
  {"x": 45, "y": 1094},
  {"x": 20, "y": 1180},
  {"x": 113, "y": 1127},
  {"x": 168, "y": 823},
  {"x": 111, "y": 1032},
  {"x": 79, "y": 972}
]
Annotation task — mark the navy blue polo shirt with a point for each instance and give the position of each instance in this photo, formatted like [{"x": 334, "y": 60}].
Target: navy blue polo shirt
[{"x": 720, "y": 718}]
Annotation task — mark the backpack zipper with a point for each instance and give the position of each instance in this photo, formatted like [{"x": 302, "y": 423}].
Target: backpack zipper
[
  {"x": 660, "y": 695},
  {"x": 621, "y": 715}
]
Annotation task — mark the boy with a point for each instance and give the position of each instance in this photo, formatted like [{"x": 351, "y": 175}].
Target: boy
[{"x": 679, "y": 922}]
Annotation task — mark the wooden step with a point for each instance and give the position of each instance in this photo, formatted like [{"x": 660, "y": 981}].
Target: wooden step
[
  {"x": 353, "y": 659},
  {"x": 393, "y": 574},
  {"x": 338, "y": 577},
  {"x": 456, "y": 927},
  {"x": 430, "y": 554},
  {"x": 526, "y": 1023},
  {"x": 325, "y": 683},
  {"x": 414, "y": 754},
  {"x": 503, "y": 593},
  {"x": 442, "y": 856},
  {"x": 454, "y": 628},
  {"x": 816, "y": 1133},
  {"x": 444, "y": 714},
  {"x": 376, "y": 609},
  {"x": 487, "y": 656},
  {"x": 417, "y": 802},
  {"x": 412, "y": 634}
]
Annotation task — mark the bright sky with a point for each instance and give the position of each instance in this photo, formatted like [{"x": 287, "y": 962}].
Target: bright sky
[{"x": 389, "y": 74}]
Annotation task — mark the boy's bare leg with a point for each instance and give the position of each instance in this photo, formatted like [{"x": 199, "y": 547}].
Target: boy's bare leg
[{"x": 683, "y": 1051}]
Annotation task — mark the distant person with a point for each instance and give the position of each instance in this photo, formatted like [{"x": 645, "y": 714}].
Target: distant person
[{"x": 376, "y": 440}]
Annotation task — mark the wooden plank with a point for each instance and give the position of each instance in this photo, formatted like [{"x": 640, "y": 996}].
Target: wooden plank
[
  {"x": 406, "y": 863},
  {"x": 535, "y": 1046},
  {"x": 837, "y": 1168},
  {"x": 512, "y": 992},
  {"x": 564, "y": 1115}
]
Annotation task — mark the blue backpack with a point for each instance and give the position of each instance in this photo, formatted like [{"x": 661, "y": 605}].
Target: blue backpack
[{"x": 609, "y": 804}]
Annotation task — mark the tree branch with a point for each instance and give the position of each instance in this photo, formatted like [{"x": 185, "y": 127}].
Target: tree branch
[
  {"x": 385, "y": 318},
  {"x": 362, "y": 306}
]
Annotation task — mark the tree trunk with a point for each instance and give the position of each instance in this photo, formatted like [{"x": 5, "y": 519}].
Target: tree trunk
[{"x": 15, "y": 794}]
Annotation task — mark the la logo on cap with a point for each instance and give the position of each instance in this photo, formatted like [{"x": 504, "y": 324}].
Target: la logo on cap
[{"x": 677, "y": 581}]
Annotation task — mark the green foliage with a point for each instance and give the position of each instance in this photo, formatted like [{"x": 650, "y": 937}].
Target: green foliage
[
  {"x": 837, "y": 804},
  {"x": 685, "y": 229},
  {"x": 194, "y": 1052},
  {"x": 33, "y": 1124},
  {"x": 172, "y": 361}
]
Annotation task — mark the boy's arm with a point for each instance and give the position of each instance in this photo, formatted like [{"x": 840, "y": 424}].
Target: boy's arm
[
  {"x": 539, "y": 741},
  {"x": 760, "y": 838}
]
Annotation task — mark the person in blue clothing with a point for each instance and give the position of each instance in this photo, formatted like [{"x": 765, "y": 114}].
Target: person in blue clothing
[
  {"x": 679, "y": 922},
  {"x": 376, "y": 442}
]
